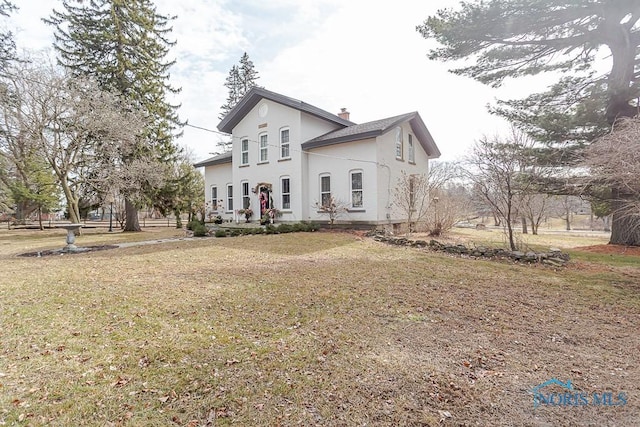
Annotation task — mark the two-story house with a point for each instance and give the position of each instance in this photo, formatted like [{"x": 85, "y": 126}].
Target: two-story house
[{"x": 292, "y": 156}]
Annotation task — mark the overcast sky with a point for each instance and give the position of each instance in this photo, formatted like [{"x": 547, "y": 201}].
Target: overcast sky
[{"x": 363, "y": 55}]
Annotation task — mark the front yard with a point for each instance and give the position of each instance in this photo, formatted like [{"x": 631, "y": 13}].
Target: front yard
[{"x": 310, "y": 329}]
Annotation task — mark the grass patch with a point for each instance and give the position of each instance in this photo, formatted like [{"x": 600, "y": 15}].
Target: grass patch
[{"x": 306, "y": 328}]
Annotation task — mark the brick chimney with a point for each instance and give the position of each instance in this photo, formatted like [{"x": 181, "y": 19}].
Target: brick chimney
[{"x": 343, "y": 114}]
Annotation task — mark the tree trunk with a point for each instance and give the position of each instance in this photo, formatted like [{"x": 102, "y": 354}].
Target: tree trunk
[
  {"x": 535, "y": 224},
  {"x": 176, "y": 212},
  {"x": 131, "y": 216},
  {"x": 40, "y": 217},
  {"x": 524, "y": 226},
  {"x": 625, "y": 223},
  {"x": 512, "y": 243},
  {"x": 72, "y": 202}
]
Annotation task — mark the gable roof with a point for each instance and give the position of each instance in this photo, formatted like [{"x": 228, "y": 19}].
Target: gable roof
[
  {"x": 215, "y": 160},
  {"x": 377, "y": 128},
  {"x": 254, "y": 96}
]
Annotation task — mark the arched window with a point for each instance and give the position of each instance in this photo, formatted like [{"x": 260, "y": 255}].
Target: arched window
[
  {"x": 229, "y": 197},
  {"x": 285, "y": 151},
  {"x": 244, "y": 151},
  {"x": 285, "y": 192},
  {"x": 399, "y": 144},
  {"x": 356, "y": 188},
  {"x": 246, "y": 200},
  {"x": 325, "y": 190},
  {"x": 264, "y": 147},
  {"x": 412, "y": 150}
]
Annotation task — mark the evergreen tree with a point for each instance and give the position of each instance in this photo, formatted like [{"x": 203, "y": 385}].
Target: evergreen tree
[
  {"x": 233, "y": 84},
  {"x": 38, "y": 190},
  {"x": 7, "y": 44},
  {"x": 123, "y": 45},
  {"x": 248, "y": 74},
  {"x": 514, "y": 38},
  {"x": 240, "y": 80}
]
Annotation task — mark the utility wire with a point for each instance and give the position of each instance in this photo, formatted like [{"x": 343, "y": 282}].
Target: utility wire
[{"x": 290, "y": 148}]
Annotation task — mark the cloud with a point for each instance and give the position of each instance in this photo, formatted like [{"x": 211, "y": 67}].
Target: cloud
[{"x": 362, "y": 55}]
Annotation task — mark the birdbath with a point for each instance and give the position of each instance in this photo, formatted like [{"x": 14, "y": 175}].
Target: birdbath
[{"x": 71, "y": 236}]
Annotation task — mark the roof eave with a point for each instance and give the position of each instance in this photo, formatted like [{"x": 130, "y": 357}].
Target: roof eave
[
  {"x": 217, "y": 160},
  {"x": 253, "y": 97},
  {"x": 424, "y": 137},
  {"x": 309, "y": 145}
]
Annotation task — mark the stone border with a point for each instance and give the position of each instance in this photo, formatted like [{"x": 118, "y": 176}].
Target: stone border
[{"x": 554, "y": 257}]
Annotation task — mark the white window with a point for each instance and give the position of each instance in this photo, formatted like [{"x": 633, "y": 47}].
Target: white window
[
  {"x": 325, "y": 190},
  {"x": 399, "y": 143},
  {"x": 284, "y": 144},
  {"x": 264, "y": 146},
  {"x": 244, "y": 152},
  {"x": 412, "y": 150},
  {"x": 285, "y": 190},
  {"x": 214, "y": 198},
  {"x": 356, "y": 189},
  {"x": 229, "y": 197},
  {"x": 246, "y": 201}
]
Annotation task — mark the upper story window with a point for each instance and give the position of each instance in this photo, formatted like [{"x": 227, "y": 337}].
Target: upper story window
[
  {"x": 214, "y": 198},
  {"x": 264, "y": 147},
  {"x": 284, "y": 144},
  {"x": 399, "y": 143},
  {"x": 285, "y": 191},
  {"x": 325, "y": 190},
  {"x": 246, "y": 201},
  {"x": 412, "y": 149},
  {"x": 356, "y": 189},
  {"x": 244, "y": 151}
]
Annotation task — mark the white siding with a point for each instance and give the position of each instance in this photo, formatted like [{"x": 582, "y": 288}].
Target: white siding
[
  {"x": 388, "y": 178},
  {"x": 218, "y": 176},
  {"x": 338, "y": 161},
  {"x": 375, "y": 158}
]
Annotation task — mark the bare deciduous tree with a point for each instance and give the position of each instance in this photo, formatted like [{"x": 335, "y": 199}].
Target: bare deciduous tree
[
  {"x": 333, "y": 208},
  {"x": 502, "y": 174},
  {"x": 75, "y": 126},
  {"x": 414, "y": 195},
  {"x": 534, "y": 207},
  {"x": 411, "y": 196},
  {"x": 449, "y": 206}
]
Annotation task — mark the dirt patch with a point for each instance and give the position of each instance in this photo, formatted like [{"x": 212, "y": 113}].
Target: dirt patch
[
  {"x": 82, "y": 250},
  {"x": 611, "y": 249}
]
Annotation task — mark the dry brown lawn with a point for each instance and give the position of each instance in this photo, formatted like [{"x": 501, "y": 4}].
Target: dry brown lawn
[{"x": 307, "y": 329}]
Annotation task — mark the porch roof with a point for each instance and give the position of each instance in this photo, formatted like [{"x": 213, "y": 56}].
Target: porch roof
[{"x": 215, "y": 160}]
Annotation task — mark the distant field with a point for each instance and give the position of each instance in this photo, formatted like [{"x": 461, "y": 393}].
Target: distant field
[
  {"x": 545, "y": 238},
  {"x": 310, "y": 329}
]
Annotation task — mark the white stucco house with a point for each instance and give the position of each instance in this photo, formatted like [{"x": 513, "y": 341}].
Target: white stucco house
[{"x": 292, "y": 156}]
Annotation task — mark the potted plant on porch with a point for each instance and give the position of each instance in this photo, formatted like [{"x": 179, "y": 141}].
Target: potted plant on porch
[{"x": 248, "y": 213}]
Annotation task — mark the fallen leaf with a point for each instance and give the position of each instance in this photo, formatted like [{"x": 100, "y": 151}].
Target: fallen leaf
[
  {"x": 120, "y": 382},
  {"x": 144, "y": 362}
]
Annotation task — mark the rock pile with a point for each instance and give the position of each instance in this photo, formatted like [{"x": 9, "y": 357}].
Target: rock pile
[{"x": 554, "y": 257}]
